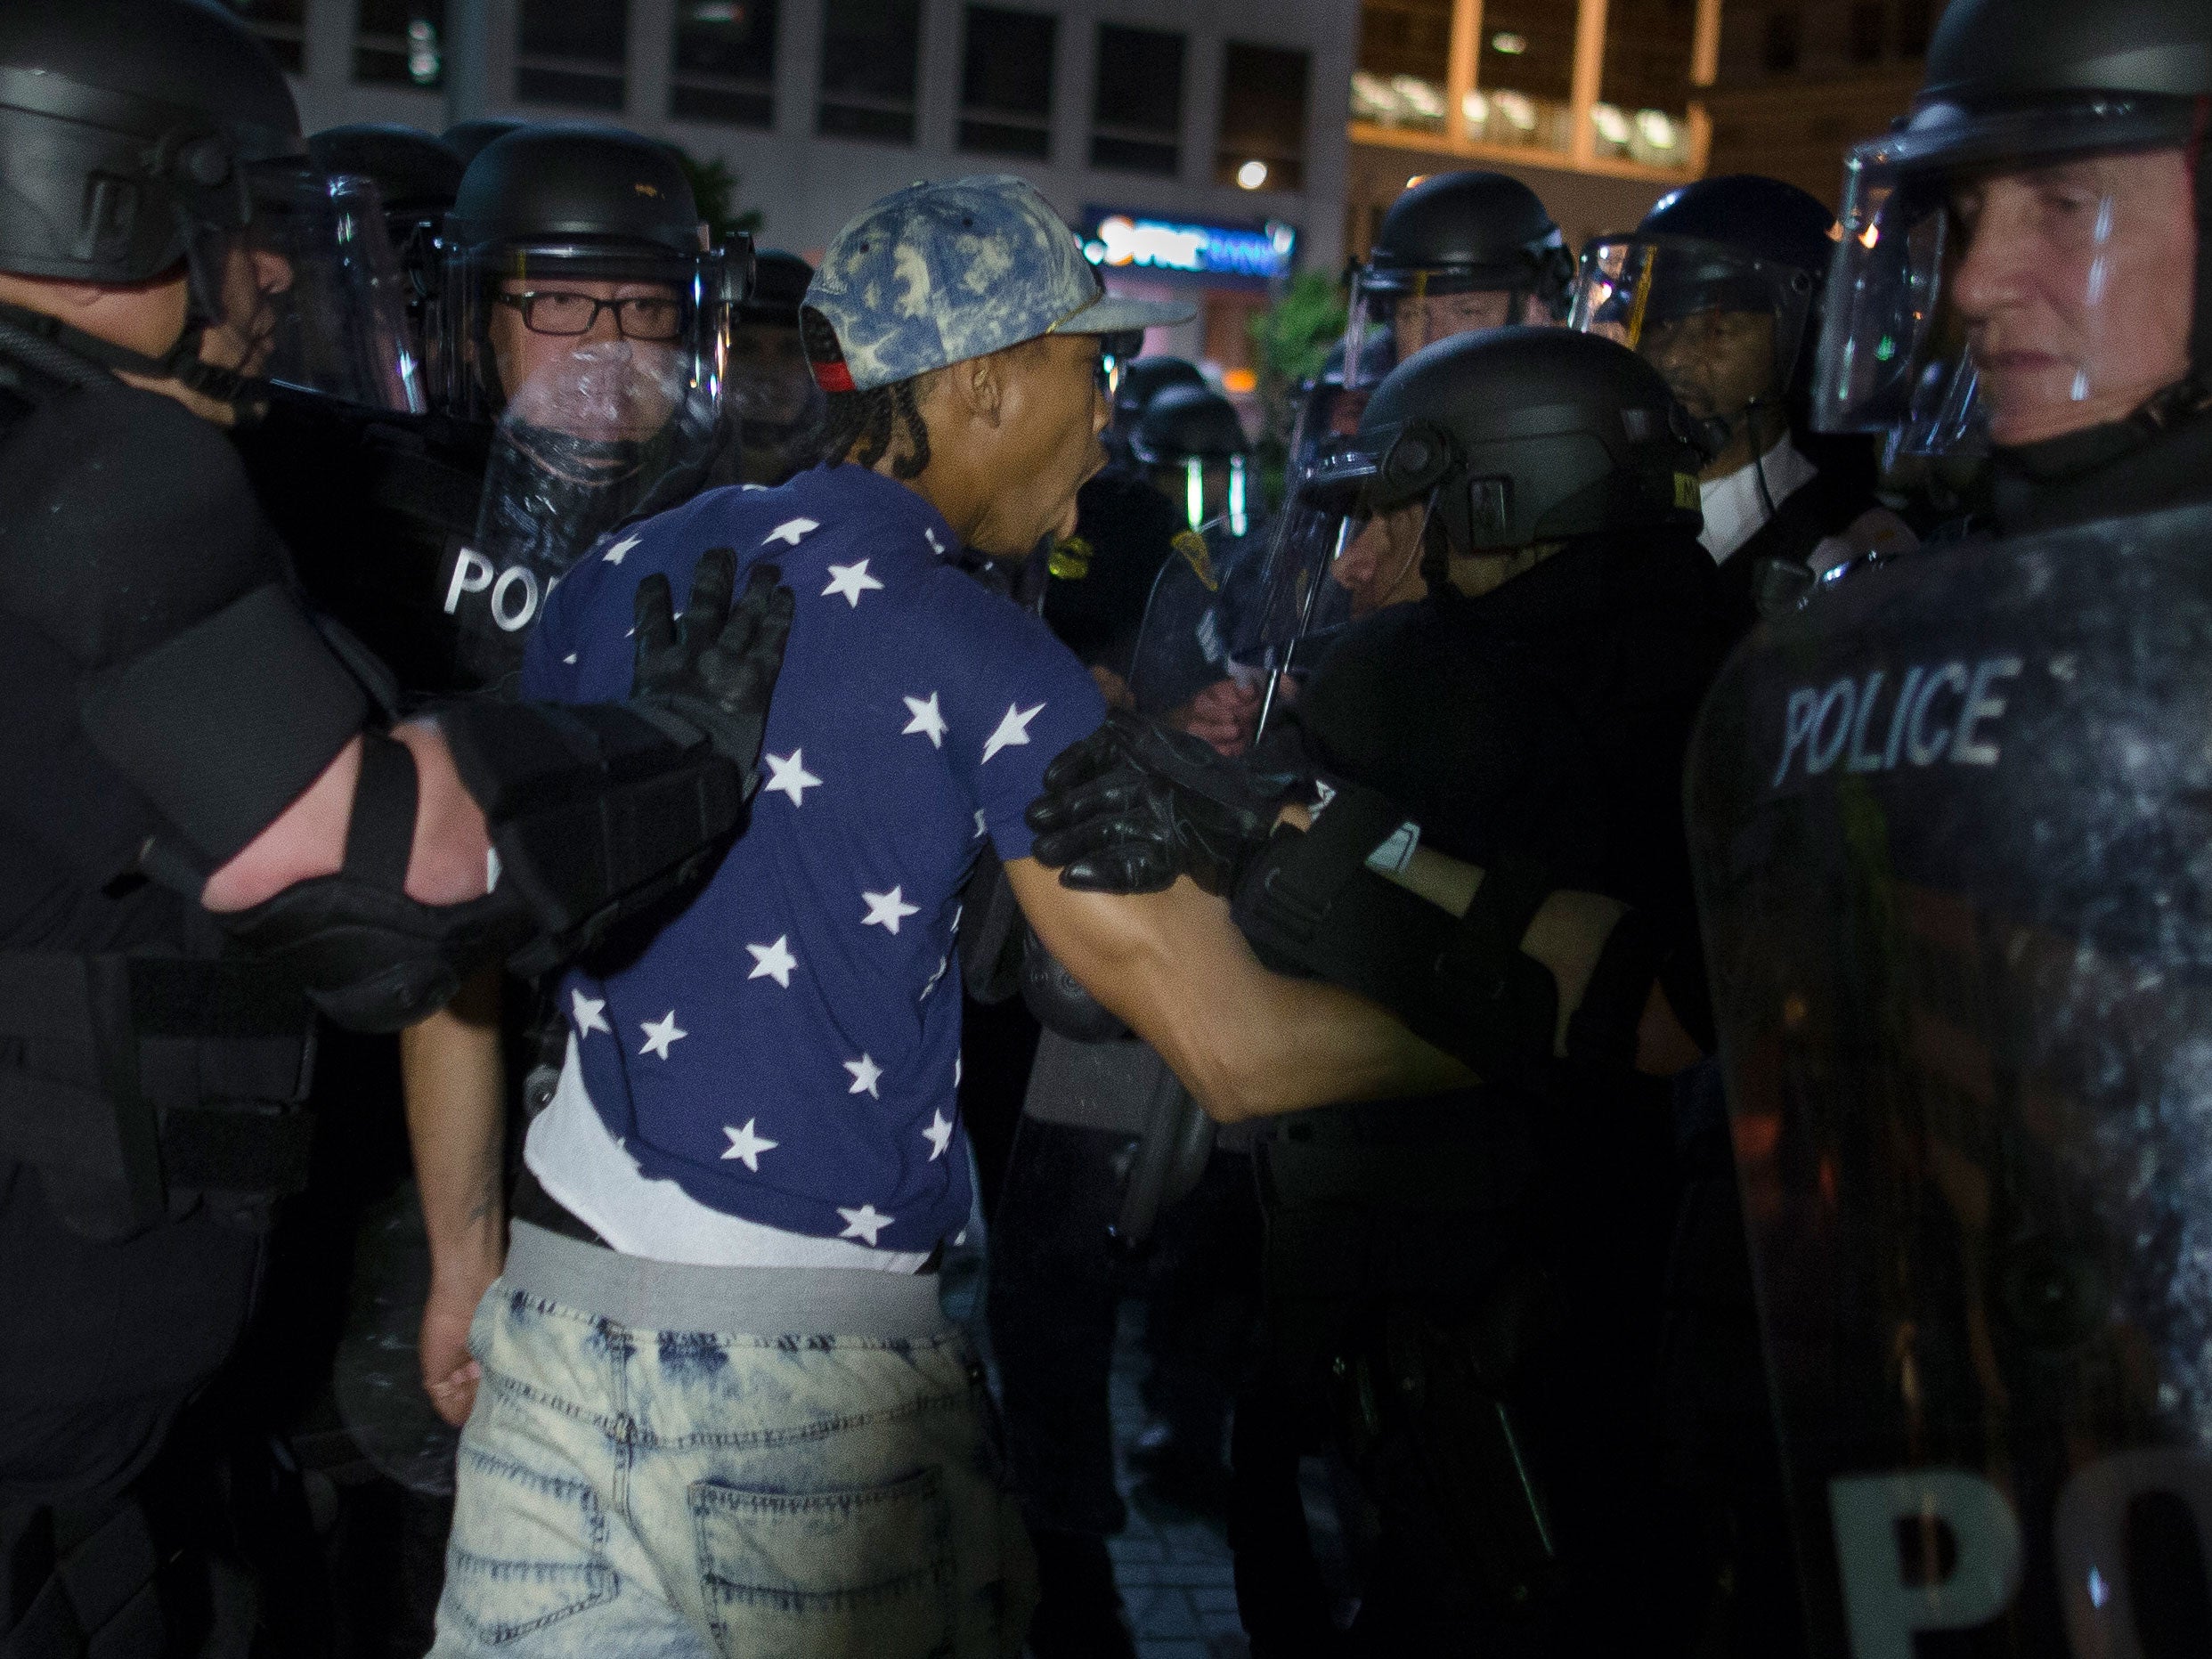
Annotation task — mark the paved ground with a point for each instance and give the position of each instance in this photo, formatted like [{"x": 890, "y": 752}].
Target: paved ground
[{"x": 1173, "y": 1568}]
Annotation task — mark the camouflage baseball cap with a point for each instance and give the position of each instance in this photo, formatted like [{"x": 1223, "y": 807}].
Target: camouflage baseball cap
[{"x": 937, "y": 274}]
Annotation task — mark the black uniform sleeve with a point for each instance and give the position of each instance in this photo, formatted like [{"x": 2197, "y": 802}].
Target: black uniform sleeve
[{"x": 149, "y": 598}]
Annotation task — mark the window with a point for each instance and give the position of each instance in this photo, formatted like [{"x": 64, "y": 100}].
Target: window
[
  {"x": 1524, "y": 75},
  {"x": 1780, "y": 55},
  {"x": 725, "y": 62},
  {"x": 1867, "y": 31},
  {"x": 869, "y": 49},
  {"x": 1006, "y": 83},
  {"x": 401, "y": 43},
  {"x": 1262, "y": 144},
  {"x": 1405, "y": 48},
  {"x": 572, "y": 52},
  {"x": 1136, "y": 101},
  {"x": 1643, "y": 107},
  {"x": 282, "y": 26}
]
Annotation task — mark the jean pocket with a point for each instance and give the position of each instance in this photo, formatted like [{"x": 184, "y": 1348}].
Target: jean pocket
[
  {"x": 788, "y": 1575},
  {"x": 528, "y": 1549}
]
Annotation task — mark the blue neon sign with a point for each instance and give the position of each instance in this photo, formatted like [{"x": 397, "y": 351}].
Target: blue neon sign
[{"x": 1130, "y": 241}]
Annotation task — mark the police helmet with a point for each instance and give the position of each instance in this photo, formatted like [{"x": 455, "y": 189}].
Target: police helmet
[
  {"x": 467, "y": 139},
  {"x": 126, "y": 128},
  {"x": 544, "y": 205},
  {"x": 1188, "y": 422},
  {"x": 1692, "y": 282},
  {"x": 137, "y": 136},
  {"x": 417, "y": 174},
  {"x": 1526, "y": 435},
  {"x": 1144, "y": 378},
  {"x": 2011, "y": 84},
  {"x": 779, "y": 286}
]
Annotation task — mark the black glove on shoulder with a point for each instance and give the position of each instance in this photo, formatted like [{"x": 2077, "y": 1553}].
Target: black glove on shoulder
[
  {"x": 713, "y": 668},
  {"x": 1131, "y": 806}
]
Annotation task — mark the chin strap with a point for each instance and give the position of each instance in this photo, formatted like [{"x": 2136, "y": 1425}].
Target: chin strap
[{"x": 66, "y": 348}]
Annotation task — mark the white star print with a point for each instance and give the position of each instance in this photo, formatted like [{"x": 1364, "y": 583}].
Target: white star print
[
  {"x": 863, "y": 1223},
  {"x": 943, "y": 963},
  {"x": 936, "y": 546},
  {"x": 956, "y": 1071},
  {"x": 852, "y": 581},
  {"x": 614, "y": 554},
  {"x": 866, "y": 1075},
  {"x": 570, "y": 659},
  {"x": 661, "y": 1033},
  {"x": 790, "y": 531},
  {"x": 746, "y": 1144},
  {"x": 591, "y": 1013},
  {"x": 888, "y": 910},
  {"x": 773, "y": 961},
  {"x": 928, "y": 719},
  {"x": 787, "y": 773},
  {"x": 1013, "y": 731},
  {"x": 980, "y": 831},
  {"x": 939, "y": 1135}
]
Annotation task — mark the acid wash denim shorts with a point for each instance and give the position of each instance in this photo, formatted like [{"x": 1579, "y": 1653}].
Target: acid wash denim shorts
[{"x": 636, "y": 1487}]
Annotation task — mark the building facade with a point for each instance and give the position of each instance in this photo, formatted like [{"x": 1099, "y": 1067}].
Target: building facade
[{"x": 1198, "y": 146}]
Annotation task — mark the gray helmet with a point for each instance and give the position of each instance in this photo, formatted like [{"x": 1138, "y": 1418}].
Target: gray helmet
[{"x": 1524, "y": 434}]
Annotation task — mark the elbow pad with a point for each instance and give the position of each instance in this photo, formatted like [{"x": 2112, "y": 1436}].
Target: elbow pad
[
  {"x": 1059, "y": 1002},
  {"x": 595, "y": 813},
  {"x": 1311, "y": 904}
]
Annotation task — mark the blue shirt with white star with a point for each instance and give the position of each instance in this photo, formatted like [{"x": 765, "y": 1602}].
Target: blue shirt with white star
[{"x": 787, "y": 1048}]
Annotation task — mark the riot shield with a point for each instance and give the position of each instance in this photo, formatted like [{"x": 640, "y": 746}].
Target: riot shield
[
  {"x": 1196, "y": 622},
  {"x": 1953, "y": 829}
]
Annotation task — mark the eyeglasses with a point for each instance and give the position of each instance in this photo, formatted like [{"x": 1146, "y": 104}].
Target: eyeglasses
[{"x": 640, "y": 317}]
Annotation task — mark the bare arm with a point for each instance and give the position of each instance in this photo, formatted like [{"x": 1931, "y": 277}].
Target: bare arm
[
  {"x": 455, "y": 1086},
  {"x": 447, "y": 867},
  {"x": 1247, "y": 1043}
]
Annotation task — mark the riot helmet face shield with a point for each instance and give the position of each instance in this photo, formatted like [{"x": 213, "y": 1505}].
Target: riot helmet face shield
[
  {"x": 309, "y": 292},
  {"x": 1723, "y": 327},
  {"x": 1397, "y": 312},
  {"x": 2007, "y": 278}
]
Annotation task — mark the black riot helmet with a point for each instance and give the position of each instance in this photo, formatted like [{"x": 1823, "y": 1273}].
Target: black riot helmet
[
  {"x": 1142, "y": 379},
  {"x": 544, "y": 209},
  {"x": 2012, "y": 87},
  {"x": 1190, "y": 440},
  {"x": 137, "y": 136},
  {"x": 779, "y": 286},
  {"x": 1458, "y": 252},
  {"x": 417, "y": 175},
  {"x": 1719, "y": 285},
  {"x": 467, "y": 139}
]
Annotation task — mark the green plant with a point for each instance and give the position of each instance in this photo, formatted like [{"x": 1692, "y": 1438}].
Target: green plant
[
  {"x": 1291, "y": 340},
  {"x": 714, "y": 186}
]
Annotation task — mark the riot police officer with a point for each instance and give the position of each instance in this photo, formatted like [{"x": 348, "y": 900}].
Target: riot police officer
[
  {"x": 416, "y": 175},
  {"x": 1466, "y": 1288},
  {"x": 1722, "y": 287},
  {"x": 210, "y": 836},
  {"x": 776, "y": 396}
]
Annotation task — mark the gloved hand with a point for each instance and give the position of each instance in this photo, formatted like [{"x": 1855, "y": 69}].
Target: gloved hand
[
  {"x": 715, "y": 667},
  {"x": 1133, "y": 805}
]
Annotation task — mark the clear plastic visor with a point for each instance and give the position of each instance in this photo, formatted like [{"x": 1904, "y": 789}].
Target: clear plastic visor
[
  {"x": 655, "y": 327},
  {"x": 309, "y": 292},
  {"x": 1200, "y": 629},
  {"x": 2005, "y": 281},
  {"x": 1396, "y": 314},
  {"x": 1722, "y": 327}
]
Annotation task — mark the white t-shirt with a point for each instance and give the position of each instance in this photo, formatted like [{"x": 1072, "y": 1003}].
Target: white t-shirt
[
  {"x": 587, "y": 1170},
  {"x": 1735, "y": 507}
]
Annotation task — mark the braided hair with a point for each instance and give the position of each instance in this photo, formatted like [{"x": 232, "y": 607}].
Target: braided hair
[{"x": 864, "y": 425}]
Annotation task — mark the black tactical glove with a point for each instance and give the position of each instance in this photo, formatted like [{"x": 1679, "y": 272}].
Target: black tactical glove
[
  {"x": 714, "y": 668},
  {"x": 1133, "y": 805}
]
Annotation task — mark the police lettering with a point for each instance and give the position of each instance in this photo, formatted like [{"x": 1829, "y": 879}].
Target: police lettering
[
  {"x": 1861, "y": 724},
  {"x": 515, "y": 593}
]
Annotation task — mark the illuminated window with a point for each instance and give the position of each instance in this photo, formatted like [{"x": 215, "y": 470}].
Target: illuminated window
[
  {"x": 572, "y": 52},
  {"x": 401, "y": 43},
  {"x": 869, "y": 52},
  {"x": 725, "y": 68},
  {"x": 1263, "y": 117},
  {"x": 1136, "y": 101},
  {"x": 1006, "y": 83}
]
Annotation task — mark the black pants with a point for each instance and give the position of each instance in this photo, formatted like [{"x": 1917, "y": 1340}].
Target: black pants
[{"x": 1056, "y": 1289}]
